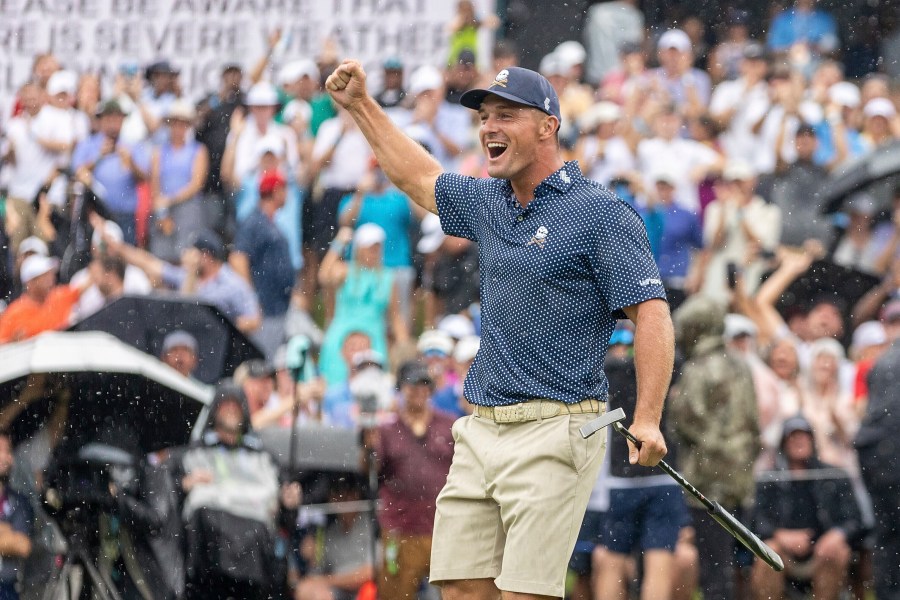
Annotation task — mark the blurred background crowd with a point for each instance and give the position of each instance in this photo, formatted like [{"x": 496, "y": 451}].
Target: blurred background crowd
[{"x": 761, "y": 150}]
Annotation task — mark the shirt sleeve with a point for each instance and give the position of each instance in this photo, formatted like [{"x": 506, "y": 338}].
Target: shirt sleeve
[
  {"x": 80, "y": 155},
  {"x": 622, "y": 260},
  {"x": 456, "y": 197},
  {"x": 22, "y": 518},
  {"x": 173, "y": 276}
]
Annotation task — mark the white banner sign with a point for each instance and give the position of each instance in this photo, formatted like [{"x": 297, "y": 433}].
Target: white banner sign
[{"x": 200, "y": 36}]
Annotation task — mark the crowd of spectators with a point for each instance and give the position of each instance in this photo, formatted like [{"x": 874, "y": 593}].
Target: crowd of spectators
[{"x": 263, "y": 199}]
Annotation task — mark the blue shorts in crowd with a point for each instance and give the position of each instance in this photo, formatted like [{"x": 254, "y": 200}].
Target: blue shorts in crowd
[{"x": 643, "y": 518}]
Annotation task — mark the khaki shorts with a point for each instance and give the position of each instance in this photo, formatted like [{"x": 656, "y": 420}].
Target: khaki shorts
[{"x": 514, "y": 501}]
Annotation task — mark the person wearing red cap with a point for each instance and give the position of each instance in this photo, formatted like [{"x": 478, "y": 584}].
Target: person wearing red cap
[{"x": 262, "y": 256}]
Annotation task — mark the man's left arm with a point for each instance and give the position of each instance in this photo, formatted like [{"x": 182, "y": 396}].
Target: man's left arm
[{"x": 654, "y": 356}]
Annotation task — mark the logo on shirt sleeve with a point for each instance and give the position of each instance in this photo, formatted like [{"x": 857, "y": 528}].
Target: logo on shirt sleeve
[{"x": 646, "y": 282}]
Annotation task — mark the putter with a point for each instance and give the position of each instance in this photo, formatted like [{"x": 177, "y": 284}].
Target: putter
[{"x": 728, "y": 522}]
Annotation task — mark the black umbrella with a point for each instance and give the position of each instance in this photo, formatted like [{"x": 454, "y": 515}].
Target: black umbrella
[
  {"x": 107, "y": 387},
  {"x": 144, "y": 321},
  {"x": 827, "y": 279},
  {"x": 881, "y": 164}
]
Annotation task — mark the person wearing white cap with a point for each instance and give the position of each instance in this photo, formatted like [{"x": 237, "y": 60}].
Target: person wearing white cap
[
  {"x": 880, "y": 124},
  {"x": 738, "y": 105},
  {"x": 689, "y": 159},
  {"x": 736, "y": 221},
  {"x": 676, "y": 237},
  {"x": 377, "y": 201},
  {"x": 240, "y": 155},
  {"x": 27, "y": 164},
  {"x": 435, "y": 349},
  {"x": 60, "y": 126},
  {"x": 574, "y": 98},
  {"x": 178, "y": 170},
  {"x": 858, "y": 248},
  {"x": 441, "y": 126},
  {"x": 340, "y": 159},
  {"x": 43, "y": 305},
  {"x": 298, "y": 82},
  {"x": 688, "y": 88},
  {"x": 366, "y": 297},
  {"x": 601, "y": 150},
  {"x": 97, "y": 294}
]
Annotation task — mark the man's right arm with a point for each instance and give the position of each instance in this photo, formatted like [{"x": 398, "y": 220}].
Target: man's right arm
[{"x": 406, "y": 163}]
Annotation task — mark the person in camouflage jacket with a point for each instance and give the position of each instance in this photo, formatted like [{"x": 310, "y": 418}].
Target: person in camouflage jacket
[{"x": 716, "y": 426}]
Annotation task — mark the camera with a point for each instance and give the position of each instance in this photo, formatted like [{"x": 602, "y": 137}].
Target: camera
[
  {"x": 83, "y": 483},
  {"x": 371, "y": 390}
]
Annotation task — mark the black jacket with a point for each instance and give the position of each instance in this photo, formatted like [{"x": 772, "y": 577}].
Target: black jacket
[{"x": 834, "y": 503}]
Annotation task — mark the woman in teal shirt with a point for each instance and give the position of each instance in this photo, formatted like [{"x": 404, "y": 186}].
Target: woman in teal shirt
[{"x": 367, "y": 298}]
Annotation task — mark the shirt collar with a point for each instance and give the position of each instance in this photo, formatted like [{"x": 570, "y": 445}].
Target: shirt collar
[{"x": 561, "y": 180}]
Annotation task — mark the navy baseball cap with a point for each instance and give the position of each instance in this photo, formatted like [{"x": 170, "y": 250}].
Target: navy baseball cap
[{"x": 519, "y": 85}]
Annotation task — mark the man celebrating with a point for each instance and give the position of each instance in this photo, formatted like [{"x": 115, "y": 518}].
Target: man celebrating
[{"x": 561, "y": 259}]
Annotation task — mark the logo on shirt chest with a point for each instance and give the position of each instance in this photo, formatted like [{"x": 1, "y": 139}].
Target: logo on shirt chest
[{"x": 539, "y": 238}]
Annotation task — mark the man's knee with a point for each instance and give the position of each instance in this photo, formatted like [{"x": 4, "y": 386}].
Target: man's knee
[
  {"x": 469, "y": 589},
  {"x": 832, "y": 550}
]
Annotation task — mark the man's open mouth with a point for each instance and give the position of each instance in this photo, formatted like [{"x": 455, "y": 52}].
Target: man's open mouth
[{"x": 495, "y": 149}]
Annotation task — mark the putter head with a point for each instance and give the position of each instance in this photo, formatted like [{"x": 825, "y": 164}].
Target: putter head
[{"x": 604, "y": 420}]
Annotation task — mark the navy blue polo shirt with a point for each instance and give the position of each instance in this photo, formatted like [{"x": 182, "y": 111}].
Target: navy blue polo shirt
[{"x": 554, "y": 278}]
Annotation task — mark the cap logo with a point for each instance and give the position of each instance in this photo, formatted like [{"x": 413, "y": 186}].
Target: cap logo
[
  {"x": 547, "y": 104},
  {"x": 501, "y": 79}
]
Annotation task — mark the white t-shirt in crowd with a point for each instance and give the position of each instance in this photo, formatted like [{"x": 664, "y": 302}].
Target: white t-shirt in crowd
[
  {"x": 246, "y": 153},
  {"x": 33, "y": 164},
  {"x": 615, "y": 160},
  {"x": 680, "y": 157},
  {"x": 350, "y": 160},
  {"x": 765, "y": 223},
  {"x": 136, "y": 283},
  {"x": 750, "y": 106}
]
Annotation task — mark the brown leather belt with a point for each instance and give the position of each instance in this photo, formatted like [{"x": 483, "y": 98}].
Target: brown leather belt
[{"x": 536, "y": 410}]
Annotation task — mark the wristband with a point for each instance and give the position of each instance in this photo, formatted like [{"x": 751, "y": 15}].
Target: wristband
[{"x": 337, "y": 246}]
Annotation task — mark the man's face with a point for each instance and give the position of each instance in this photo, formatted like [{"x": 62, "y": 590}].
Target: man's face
[
  {"x": 231, "y": 80},
  {"x": 32, "y": 99},
  {"x": 258, "y": 390},
  {"x": 665, "y": 191},
  {"x": 279, "y": 195},
  {"x": 111, "y": 124},
  {"x": 41, "y": 285},
  {"x": 262, "y": 114},
  {"x": 393, "y": 79},
  {"x": 416, "y": 395},
  {"x": 806, "y": 146},
  {"x": 798, "y": 447},
  {"x": 6, "y": 457},
  {"x": 229, "y": 421},
  {"x": 182, "y": 359},
  {"x": 825, "y": 320},
  {"x": 509, "y": 136},
  {"x": 670, "y": 59},
  {"x": 667, "y": 125},
  {"x": 353, "y": 344}
]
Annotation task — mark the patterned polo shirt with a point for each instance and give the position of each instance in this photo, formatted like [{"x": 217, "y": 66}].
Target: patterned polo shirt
[{"x": 555, "y": 276}]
